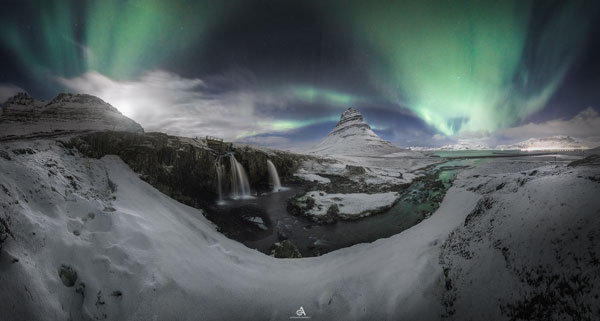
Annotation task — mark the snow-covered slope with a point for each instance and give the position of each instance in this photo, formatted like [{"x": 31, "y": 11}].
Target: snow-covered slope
[
  {"x": 352, "y": 136},
  {"x": 139, "y": 255},
  {"x": 529, "y": 250},
  {"x": 21, "y": 115},
  {"x": 559, "y": 142}
]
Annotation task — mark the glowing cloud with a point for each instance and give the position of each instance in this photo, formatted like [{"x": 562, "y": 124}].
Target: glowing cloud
[{"x": 314, "y": 94}]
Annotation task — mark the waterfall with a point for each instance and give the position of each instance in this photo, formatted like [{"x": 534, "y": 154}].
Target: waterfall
[
  {"x": 220, "y": 171},
  {"x": 273, "y": 176},
  {"x": 240, "y": 188}
]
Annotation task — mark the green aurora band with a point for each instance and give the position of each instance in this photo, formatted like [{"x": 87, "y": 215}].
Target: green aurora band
[
  {"x": 313, "y": 94},
  {"x": 469, "y": 66},
  {"x": 120, "y": 39},
  {"x": 463, "y": 66}
]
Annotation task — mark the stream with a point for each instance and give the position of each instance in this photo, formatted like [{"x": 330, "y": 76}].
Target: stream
[{"x": 261, "y": 221}]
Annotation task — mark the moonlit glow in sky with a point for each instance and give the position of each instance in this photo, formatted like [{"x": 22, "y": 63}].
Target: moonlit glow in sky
[{"x": 423, "y": 72}]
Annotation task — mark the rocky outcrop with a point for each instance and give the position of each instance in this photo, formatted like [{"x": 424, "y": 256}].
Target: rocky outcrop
[
  {"x": 329, "y": 208},
  {"x": 592, "y": 160},
  {"x": 177, "y": 168},
  {"x": 353, "y": 136},
  {"x": 23, "y": 116},
  {"x": 180, "y": 167},
  {"x": 183, "y": 168},
  {"x": 285, "y": 249},
  {"x": 255, "y": 162}
]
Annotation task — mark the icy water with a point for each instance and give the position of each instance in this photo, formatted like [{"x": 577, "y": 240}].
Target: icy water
[{"x": 264, "y": 220}]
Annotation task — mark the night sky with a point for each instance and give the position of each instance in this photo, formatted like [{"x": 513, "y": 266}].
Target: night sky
[{"x": 279, "y": 73}]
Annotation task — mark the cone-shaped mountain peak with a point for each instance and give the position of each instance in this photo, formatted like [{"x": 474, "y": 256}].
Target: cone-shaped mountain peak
[{"x": 353, "y": 136}]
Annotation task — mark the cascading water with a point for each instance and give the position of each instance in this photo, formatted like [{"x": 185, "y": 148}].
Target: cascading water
[
  {"x": 273, "y": 176},
  {"x": 240, "y": 187},
  {"x": 220, "y": 172}
]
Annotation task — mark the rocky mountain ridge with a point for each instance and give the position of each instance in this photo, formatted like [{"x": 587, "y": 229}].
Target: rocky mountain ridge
[{"x": 22, "y": 115}]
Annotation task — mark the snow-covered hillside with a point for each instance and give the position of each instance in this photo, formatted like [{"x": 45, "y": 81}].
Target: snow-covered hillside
[
  {"x": 93, "y": 241},
  {"x": 21, "y": 115},
  {"x": 559, "y": 142},
  {"x": 461, "y": 145},
  {"x": 353, "y": 136},
  {"x": 464, "y": 146},
  {"x": 529, "y": 250}
]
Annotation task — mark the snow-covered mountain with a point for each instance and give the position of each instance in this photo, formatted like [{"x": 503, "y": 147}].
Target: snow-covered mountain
[
  {"x": 464, "y": 146},
  {"x": 353, "y": 136},
  {"x": 22, "y": 115},
  {"x": 559, "y": 142},
  {"x": 461, "y": 145}
]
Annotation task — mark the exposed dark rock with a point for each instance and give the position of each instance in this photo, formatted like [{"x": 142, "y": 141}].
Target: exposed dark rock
[
  {"x": 333, "y": 210},
  {"x": 5, "y": 231},
  {"x": 99, "y": 300},
  {"x": 437, "y": 184},
  {"x": 594, "y": 178},
  {"x": 255, "y": 163},
  {"x": 282, "y": 235},
  {"x": 593, "y": 159},
  {"x": 19, "y": 99},
  {"x": 182, "y": 168},
  {"x": 5, "y": 155},
  {"x": 332, "y": 213},
  {"x": 68, "y": 276},
  {"x": 285, "y": 249},
  {"x": 484, "y": 204},
  {"x": 355, "y": 170},
  {"x": 299, "y": 205},
  {"x": 80, "y": 289},
  {"x": 23, "y": 151}
]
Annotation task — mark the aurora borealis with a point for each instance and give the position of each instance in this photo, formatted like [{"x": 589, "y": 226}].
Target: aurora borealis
[
  {"x": 116, "y": 38},
  {"x": 471, "y": 65},
  {"x": 269, "y": 71}
]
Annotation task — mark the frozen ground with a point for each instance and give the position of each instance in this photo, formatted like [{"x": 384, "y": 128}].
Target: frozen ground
[
  {"x": 312, "y": 177},
  {"x": 350, "y": 206},
  {"x": 140, "y": 255},
  {"x": 531, "y": 246},
  {"x": 391, "y": 169}
]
